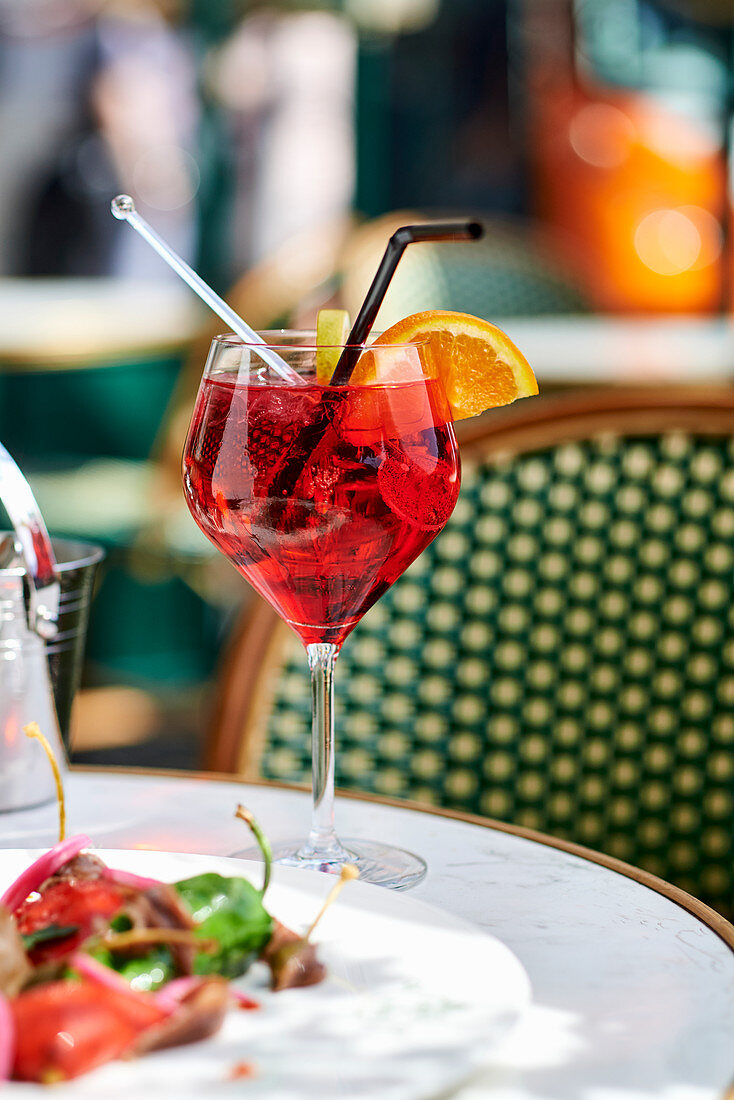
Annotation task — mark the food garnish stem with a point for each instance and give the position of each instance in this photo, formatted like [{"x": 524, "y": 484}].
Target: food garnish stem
[
  {"x": 33, "y": 730},
  {"x": 348, "y": 873},
  {"x": 118, "y": 940},
  {"x": 262, "y": 842}
]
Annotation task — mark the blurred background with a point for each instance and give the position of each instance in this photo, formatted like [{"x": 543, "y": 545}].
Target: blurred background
[{"x": 276, "y": 146}]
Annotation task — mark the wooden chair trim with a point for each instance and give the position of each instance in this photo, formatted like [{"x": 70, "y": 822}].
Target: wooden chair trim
[
  {"x": 723, "y": 928},
  {"x": 532, "y": 425},
  {"x": 237, "y": 731}
]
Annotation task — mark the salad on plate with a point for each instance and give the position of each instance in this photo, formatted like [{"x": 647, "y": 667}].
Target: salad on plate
[
  {"x": 98, "y": 964},
  {"x": 109, "y": 955}
]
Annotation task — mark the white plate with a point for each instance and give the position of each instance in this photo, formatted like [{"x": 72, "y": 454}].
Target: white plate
[{"x": 414, "y": 1000}]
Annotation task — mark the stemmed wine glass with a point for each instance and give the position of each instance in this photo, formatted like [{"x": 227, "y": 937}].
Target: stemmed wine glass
[{"x": 322, "y": 496}]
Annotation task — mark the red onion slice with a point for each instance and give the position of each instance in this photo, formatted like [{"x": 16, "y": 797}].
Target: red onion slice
[
  {"x": 100, "y": 974},
  {"x": 7, "y": 1039},
  {"x": 127, "y": 878},
  {"x": 45, "y": 866},
  {"x": 173, "y": 992}
]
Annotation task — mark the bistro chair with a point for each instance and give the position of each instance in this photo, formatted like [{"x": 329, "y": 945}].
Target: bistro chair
[
  {"x": 515, "y": 269},
  {"x": 560, "y": 657}
]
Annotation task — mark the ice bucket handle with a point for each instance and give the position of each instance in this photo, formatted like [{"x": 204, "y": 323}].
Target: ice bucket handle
[{"x": 33, "y": 543}]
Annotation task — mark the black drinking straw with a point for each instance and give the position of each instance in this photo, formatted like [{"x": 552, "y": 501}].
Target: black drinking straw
[
  {"x": 401, "y": 238},
  {"x": 310, "y": 437}
]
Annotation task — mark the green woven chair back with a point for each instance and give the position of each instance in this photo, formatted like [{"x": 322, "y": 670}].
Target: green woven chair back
[
  {"x": 561, "y": 657},
  {"x": 507, "y": 273},
  {"x": 486, "y": 279}
]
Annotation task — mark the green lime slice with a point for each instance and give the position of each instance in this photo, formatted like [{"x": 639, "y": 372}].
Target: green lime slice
[{"x": 332, "y": 329}]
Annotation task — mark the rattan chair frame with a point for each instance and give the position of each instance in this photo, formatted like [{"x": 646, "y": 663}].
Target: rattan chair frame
[{"x": 253, "y": 656}]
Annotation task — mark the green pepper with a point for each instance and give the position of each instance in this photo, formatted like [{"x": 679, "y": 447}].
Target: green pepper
[{"x": 229, "y": 911}]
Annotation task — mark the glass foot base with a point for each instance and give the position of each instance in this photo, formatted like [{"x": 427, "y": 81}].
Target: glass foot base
[{"x": 380, "y": 864}]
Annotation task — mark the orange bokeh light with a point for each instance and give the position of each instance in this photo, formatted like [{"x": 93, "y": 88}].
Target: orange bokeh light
[
  {"x": 639, "y": 189},
  {"x": 671, "y": 242}
]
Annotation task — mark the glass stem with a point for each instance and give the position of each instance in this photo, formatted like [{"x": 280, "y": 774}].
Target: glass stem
[{"x": 322, "y": 839}]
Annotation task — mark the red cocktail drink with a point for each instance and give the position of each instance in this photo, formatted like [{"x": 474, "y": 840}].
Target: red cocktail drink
[{"x": 321, "y": 497}]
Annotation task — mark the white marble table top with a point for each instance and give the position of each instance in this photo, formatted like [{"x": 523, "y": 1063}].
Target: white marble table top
[{"x": 633, "y": 996}]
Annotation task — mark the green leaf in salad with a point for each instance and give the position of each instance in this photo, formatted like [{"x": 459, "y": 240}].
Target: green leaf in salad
[
  {"x": 229, "y": 911},
  {"x": 231, "y": 923},
  {"x": 145, "y": 973}
]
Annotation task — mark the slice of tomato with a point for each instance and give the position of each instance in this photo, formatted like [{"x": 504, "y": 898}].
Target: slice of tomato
[
  {"x": 67, "y": 1028},
  {"x": 87, "y": 905}
]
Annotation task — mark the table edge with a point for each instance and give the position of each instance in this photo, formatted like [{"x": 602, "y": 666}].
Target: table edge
[
  {"x": 715, "y": 921},
  {"x": 40, "y": 361}
]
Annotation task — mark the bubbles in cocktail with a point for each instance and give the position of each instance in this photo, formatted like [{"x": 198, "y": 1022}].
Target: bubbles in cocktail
[{"x": 282, "y": 408}]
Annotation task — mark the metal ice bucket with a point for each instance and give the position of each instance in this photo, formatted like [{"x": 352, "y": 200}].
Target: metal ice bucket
[
  {"x": 44, "y": 604},
  {"x": 76, "y": 564}
]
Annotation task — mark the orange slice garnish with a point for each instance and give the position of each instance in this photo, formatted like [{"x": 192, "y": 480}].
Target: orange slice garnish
[{"x": 479, "y": 365}]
